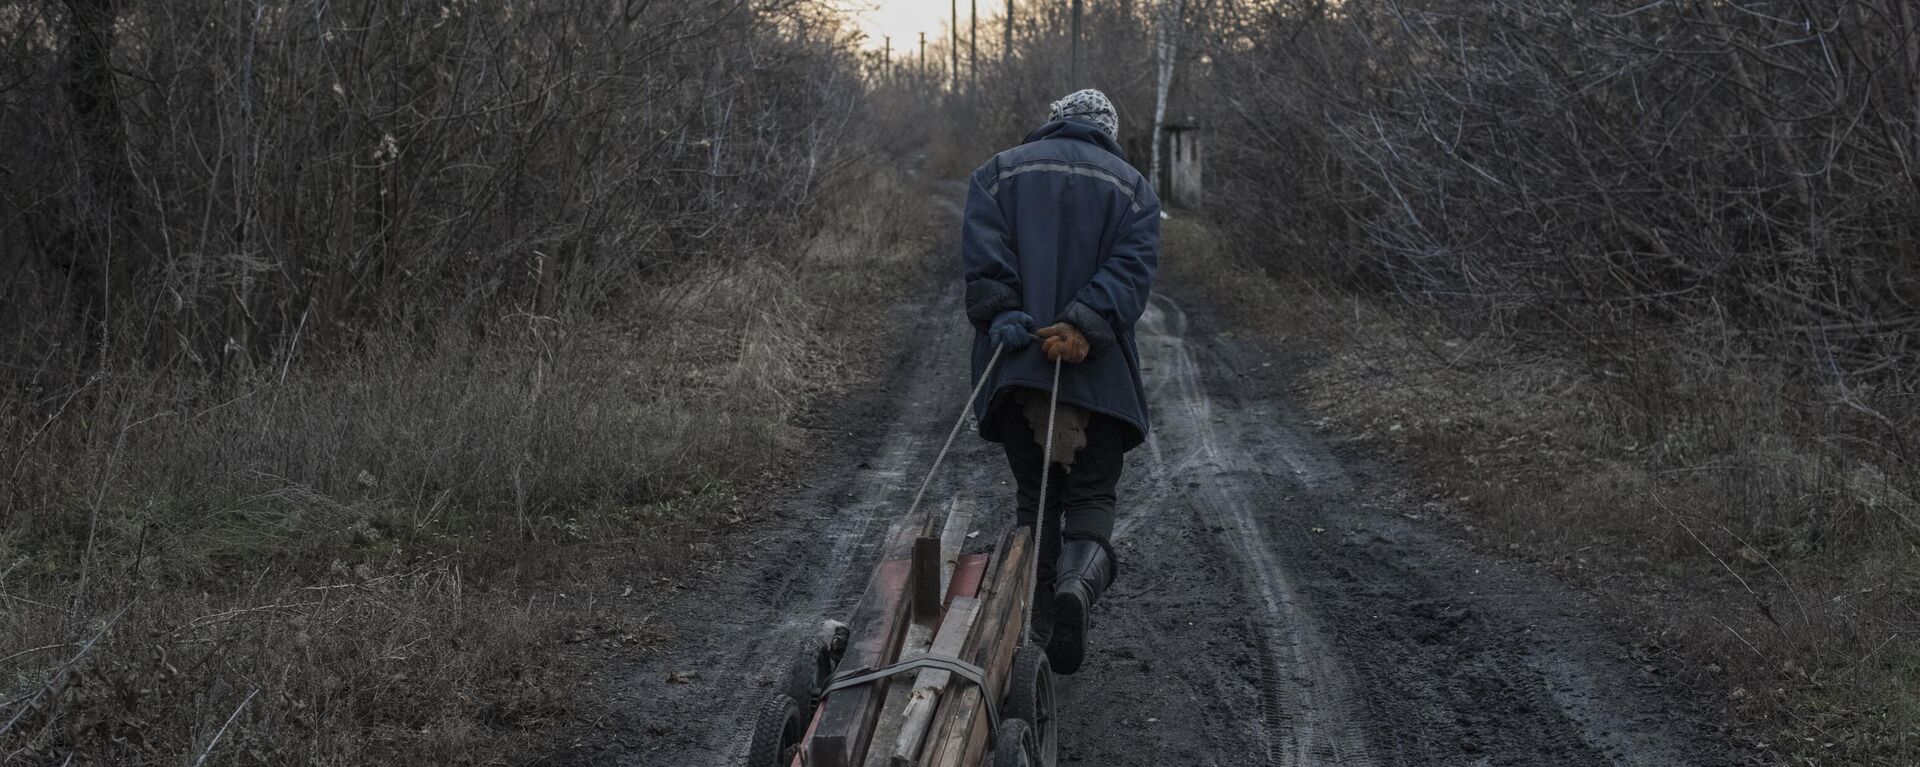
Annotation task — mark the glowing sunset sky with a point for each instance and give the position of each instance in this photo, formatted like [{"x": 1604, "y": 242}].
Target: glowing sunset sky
[{"x": 906, "y": 19}]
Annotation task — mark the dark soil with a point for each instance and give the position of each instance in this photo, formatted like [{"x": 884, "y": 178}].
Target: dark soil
[{"x": 1281, "y": 600}]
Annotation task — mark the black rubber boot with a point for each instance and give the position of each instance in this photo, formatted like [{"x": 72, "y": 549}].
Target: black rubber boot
[
  {"x": 1086, "y": 568},
  {"x": 1043, "y": 605},
  {"x": 1042, "y": 599}
]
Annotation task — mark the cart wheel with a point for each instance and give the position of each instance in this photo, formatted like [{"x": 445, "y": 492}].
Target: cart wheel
[
  {"x": 777, "y": 732},
  {"x": 1030, "y": 699},
  {"x": 1016, "y": 746},
  {"x": 813, "y": 665}
]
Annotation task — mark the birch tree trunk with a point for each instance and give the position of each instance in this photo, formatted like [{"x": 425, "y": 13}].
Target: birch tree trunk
[{"x": 1167, "y": 32}]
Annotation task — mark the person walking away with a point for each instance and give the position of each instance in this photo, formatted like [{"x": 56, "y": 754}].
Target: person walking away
[{"x": 1062, "y": 228}]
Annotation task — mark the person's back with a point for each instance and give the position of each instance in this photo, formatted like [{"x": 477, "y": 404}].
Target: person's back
[{"x": 1062, "y": 227}]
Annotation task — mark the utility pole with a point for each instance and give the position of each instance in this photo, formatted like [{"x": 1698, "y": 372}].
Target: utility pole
[
  {"x": 1075, "y": 69},
  {"x": 973, "y": 47},
  {"x": 923, "y": 56},
  {"x": 1006, "y": 46},
  {"x": 953, "y": 42},
  {"x": 886, "y": 63}
]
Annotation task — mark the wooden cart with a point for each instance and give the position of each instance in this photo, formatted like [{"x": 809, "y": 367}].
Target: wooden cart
[{"x": 933, "y": 669}]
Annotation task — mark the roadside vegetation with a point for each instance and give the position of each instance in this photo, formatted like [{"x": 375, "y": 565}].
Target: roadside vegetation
[
  {"x": 1631, "y": 286},
  {"x": 355, "y": 357},
  {"x": 368, "y": 367}
]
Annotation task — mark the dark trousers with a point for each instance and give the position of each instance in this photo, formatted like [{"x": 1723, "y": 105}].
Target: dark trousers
[{"x": 1080, "y": 501}]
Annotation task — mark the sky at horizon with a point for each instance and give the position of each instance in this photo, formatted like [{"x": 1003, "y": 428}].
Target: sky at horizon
[{"x": 906, "y": 19}]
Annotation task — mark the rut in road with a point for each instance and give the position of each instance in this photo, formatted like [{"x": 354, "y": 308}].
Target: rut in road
[
  {"x": 1281, "y": 603},
  {"x": 737, "y": 632},
  {"x": 1195, "y": 457},
  {"x": 1278, "y": 602}
]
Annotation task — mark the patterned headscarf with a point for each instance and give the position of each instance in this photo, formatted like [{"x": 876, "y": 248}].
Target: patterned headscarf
[{"x": 1089, "y": 106}]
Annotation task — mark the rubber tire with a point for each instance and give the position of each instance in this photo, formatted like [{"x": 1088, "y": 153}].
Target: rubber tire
[
  {"x": 812, "y": 665},
  {"x": 1030, "y": 698},
  {"x": 777, "y": 732},
  {"x": 1015, "y": 746}
]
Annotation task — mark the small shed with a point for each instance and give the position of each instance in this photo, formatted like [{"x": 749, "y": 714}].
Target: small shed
[{"x": 1183, "y": 164}]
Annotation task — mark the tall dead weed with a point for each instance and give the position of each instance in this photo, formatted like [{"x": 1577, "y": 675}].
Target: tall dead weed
[
  {"x": 1716, "y": 501},
  {"x": 370, "y": 559}
]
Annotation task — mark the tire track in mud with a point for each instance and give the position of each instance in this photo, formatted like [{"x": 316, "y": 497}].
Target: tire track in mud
[
  {"x": 1304, "y": 706},
  {"x": 738, "y": 631},
  {"x": 1277, "y": 603},
  {"x": 1282, "y": 692}
]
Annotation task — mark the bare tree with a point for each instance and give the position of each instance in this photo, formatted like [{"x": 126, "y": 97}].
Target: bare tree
[
  {"x": 251, "y": 173},
  {"x": 1169, "y": 27}
]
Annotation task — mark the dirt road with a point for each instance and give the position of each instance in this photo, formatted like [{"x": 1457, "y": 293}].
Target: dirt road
[{"x": 1279, "y": 602}]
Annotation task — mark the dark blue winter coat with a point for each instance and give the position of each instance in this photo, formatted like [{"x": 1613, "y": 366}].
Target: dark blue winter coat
[{"x": 1062, "y": 228}]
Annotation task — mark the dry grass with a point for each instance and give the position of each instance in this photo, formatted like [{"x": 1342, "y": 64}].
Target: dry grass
[
  {"x": 372, "y": 558},
  {"x": 1708, "y": 495}
]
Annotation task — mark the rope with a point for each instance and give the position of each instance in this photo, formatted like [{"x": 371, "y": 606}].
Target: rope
[
  {"x": 1046, "y": 467},
  {"x": 955, "y": 666},
  {"x": 1040, "y": 515},
  {"x": 957, "y": 423}
]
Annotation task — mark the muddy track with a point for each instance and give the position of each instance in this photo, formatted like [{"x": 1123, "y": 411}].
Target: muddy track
[{"x": 1279, "y": 603}]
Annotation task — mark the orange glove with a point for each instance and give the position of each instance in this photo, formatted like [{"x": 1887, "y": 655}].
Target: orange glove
[{"x": 1061, "y": 341}]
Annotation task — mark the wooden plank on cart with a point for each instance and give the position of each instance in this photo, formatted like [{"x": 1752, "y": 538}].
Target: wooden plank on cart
[
  {"x": 966, "y": 576},
  {"x": 878, "y": 624},
  {"x": 982, "y": 590},
  {"x": 934, "y": 560},
  {"x": 953, "y": 535},
  {"x": 997, "y": 665},
  {"x": 917, "y": 715},
  {"x": 926, "y": 581},
  {"x": 966, "y": 743},
  {"x": 961, "y": 726},
  {"x": 886, "y": 728}
]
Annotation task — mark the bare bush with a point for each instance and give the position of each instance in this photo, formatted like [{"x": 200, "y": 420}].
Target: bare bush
[
  {"x": 251, "y": 178},
  {"x": 354, "y": 356},
  {"x": 1598, "y": 170},
  {"x": 389, "y": 548},
  {"x": 1656, "y": 257}
]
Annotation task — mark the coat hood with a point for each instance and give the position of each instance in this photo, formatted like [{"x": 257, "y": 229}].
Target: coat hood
[{"x": 1076, "y": 129}]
